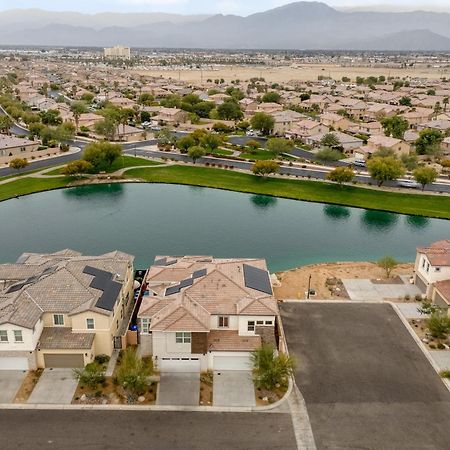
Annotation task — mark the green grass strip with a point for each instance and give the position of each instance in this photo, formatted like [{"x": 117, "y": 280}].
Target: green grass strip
[
  {"x": 415, "y": 204},
  {"x": 25, "y": 186}
]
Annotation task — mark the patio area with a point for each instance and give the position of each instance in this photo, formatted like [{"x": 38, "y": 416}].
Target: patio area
[{"x": 369, "y": 291}]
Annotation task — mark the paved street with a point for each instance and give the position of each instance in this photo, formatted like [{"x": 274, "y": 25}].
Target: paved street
[
  {"x": 233, "y": 388},
  {"x": 366, "y": 383},
  {"x": 55, "y": 386},
  {"x": 149, "y": 430},
  {"x": 181, "y": 389},
  {"x": 10, "y": 382}
]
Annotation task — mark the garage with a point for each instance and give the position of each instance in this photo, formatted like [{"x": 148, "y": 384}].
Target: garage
[
  {"x": 179, "y": 365},
  {"x": 237, "y": 362},
  {"x": 13, "y": 363},
  {"x": 60, "y": 360}
]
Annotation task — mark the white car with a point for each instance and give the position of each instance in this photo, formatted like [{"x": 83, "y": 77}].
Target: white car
[{"x": 409, "y": 184}]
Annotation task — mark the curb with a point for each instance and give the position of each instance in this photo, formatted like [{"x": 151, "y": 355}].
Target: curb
[{"x": 420, "y": 344}]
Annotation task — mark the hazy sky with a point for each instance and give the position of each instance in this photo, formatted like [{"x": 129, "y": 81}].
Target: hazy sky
[{"x": 241, "y": 7}]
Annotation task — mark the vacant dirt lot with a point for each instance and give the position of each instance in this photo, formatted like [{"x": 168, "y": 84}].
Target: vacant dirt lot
[
  {"x": 294, "y": 283},
  {"x": 306, "y": 72}
]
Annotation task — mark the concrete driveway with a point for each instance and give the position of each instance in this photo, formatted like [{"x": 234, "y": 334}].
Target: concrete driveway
[
  {"x": 366, "y": 383},
  {"x": 56, "y": 386},
  {"x": 233, "y": 388},
  {"x": 10, "y": 382},
  {"x": 367, "y": 291},
  {"x": 179, "y": 389}
]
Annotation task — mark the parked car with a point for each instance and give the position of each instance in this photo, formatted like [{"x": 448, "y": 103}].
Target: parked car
[
  {"x": 409, "y": 184},
  {"x": 359, "y": 163}
]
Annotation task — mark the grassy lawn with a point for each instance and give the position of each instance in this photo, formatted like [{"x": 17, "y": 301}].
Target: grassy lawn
[
  {"x": 415, "y": 204},
  {"x": 120, "y": 163},
  {"x": 222, "y": 152},
  {"x": 259, "y": 154},
  {"x": 25, "y": 186}
]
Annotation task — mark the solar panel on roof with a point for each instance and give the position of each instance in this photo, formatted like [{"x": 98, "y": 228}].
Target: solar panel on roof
[
  {"x": 170, "y": 263},
  {"x": 104, "y": 282},
  {"x": 16, "y": 287},
  {"x": 172, "y": 290},
  {"x": 160, "y": 262},
  {"x": 199, "y": 273},
  {"x": 186, "y": 283},
  {"x": 257, "y": 279}
]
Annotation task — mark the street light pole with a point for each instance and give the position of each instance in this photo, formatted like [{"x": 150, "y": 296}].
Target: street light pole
[{"x": 309, "y": 287}]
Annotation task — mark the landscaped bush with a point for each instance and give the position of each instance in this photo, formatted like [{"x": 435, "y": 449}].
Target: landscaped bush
[
  {"x": 133, "y": 373},
  {"x": 91, "y": 375},
  {"x": 102, "y": 359},
  {"x": 439, "y": 324},
  {"x": 271, "y": 369},
  {"x": 445, "y": 374}
]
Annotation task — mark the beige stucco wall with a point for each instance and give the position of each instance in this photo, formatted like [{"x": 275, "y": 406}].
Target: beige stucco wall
[{"x": 88, "y": 355}]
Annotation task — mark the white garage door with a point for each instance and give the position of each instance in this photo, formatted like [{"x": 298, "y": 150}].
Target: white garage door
[
  {"x": 13, "y": 363},
  {"x": 179, "y": 365},
  {"x": 232, "y": 363}
]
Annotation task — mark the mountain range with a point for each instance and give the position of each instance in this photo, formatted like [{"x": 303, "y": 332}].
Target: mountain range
[{"x": 297, "y": 26}]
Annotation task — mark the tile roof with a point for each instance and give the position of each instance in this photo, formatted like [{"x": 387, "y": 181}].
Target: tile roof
[
  {"x": 444, "y": 289},
  {"x": 437, "y": 253},
  {"x": 62, "y": 338},
  {"x": 230, "y": 341},
  {"x": 57, "y": 284},
  {"x": 220, "y": 289}
]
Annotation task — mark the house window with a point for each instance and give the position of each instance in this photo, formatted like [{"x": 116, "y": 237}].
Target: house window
[
  {"x": 58, "y": 319},
  {"x": 18, "y": 336},
  {"x": 90, "y": 325},
  {"x": 224, "y": 321},
  {"x": 428, "y": 267},
  {"x": 260, "y": 322},
  {"x": 269, "y": 322},
  {"x": 251, "y": 325},
  {"x": 145, "y": 325},
  {"x": 3, "y": 336},
  {"x": 437, "y": 269},
  {"x": 183, "y": 338}
]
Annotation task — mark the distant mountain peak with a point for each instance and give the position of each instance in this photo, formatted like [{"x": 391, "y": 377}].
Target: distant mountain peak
[{"x": 298, "y": 26}]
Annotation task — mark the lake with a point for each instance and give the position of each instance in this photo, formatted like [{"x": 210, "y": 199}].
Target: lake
[{"x": 150, "y": 219}]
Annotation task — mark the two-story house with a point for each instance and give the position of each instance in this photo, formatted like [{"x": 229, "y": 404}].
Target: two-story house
[
  {"x": 203, "y": 313},
  {"x": 63, "y": 309},
  {"x": 432, "y": 272}
]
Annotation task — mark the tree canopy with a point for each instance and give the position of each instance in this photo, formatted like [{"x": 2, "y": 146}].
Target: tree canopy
[
  {"x": 262, "y": 122},
  {"x": 385, "y": 169},
  {"x": 425, "y": 175},
  {"x": 395, "y": 126},
  {"x": 101, "y": 155},
  {"x": 341, "y": 175},
  {"x": 265, "y": 167}
]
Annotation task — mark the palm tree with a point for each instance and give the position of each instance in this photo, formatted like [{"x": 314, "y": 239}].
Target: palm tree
[
  {"x": 77, "y": 109},
  {"x": 271, "y": 368}
]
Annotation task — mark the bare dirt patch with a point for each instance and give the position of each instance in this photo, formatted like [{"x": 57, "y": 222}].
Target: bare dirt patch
[
  {"x": 326, "y": 277},
  {"x": 206, "y": 389},
  {"x": 420, "y": 328},
  {"x": 28, "y": 385},
  {"x": 265, "y": 397}
]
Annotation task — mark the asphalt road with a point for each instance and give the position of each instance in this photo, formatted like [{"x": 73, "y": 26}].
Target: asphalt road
[
  {"x": 149, "y": 430},
  {"x": 314, "y": 174},
  {"x": 141, "y": 149},
  {"x": 366, "y": 383}
]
